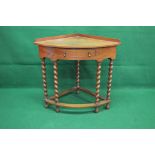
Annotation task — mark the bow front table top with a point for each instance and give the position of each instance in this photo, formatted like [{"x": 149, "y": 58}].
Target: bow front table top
[{"x": 77, "y": 47}]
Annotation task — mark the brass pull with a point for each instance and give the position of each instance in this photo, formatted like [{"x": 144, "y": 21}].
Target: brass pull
[
  {"x": 64, "y": 54},
  {"x": 89, "y": 54}
]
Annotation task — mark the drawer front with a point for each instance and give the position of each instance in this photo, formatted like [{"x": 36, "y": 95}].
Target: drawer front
[{"x": 77, "y": 54}]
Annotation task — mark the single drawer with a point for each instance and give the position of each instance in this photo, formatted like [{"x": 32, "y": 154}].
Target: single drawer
[{"x": 77, "y": 54}]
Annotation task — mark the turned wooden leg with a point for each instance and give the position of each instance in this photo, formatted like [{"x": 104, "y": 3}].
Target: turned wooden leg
[
  {"x": 109, "y": 82},
  {"x": 43, "y": 67},
  {"x": 78, "y": 75},
  {"x": 56, "y": 93},
  {"x": 98, "y": 76}
]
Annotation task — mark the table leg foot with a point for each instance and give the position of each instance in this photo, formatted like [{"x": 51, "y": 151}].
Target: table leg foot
[
  {"x": 57, "y": 109},
  {"x": 77, "y": 91},
  {"x": 46, "y": 105},
  {"x": 96, "y": 110},
  {"x": 107, "y": 106}
]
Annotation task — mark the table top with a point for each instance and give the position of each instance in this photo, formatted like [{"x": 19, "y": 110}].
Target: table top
[{"x": 77, "y": 41}]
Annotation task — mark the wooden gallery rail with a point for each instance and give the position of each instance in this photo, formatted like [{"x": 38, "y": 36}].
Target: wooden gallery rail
[{"x": 77, "y": 47}]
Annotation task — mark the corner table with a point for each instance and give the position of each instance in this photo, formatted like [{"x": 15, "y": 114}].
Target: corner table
[{"x": 77, "y": 47}]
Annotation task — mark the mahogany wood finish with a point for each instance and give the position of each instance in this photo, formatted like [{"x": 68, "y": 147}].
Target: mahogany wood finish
[
  {"x": 43, "y": 66},
  {"x": 65, "y": 92},
  {"x": 109, "y": 82},
  {"x": 78, "y": 75},
  {"x": 77, "y": 47},
  {"x": 81, "y": 105},
  {"x": 90, "y": 93},
  {"x": 56, "y": 92},
  {"x": 98, "y": 76}
]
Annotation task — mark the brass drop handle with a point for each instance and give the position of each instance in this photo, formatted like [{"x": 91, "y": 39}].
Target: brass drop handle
[
  {"x": 64, "y": 54},
  {"x": 89, "y": 54}
]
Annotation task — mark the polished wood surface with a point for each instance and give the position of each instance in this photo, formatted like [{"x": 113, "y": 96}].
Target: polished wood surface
[{"x": 77, "y": 41}]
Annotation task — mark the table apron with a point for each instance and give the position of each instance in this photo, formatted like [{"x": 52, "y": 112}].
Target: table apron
[{"x": 77, "y": 54}]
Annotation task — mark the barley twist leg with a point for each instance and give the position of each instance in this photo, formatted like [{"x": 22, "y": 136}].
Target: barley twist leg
[
  {"x": 43, "y": 67},
  {"x": 109, "y": 82},
  {"x": 98, "y": 76},
  {"x": 78, "y": 75},
  {"x": 56, "y": 93}
]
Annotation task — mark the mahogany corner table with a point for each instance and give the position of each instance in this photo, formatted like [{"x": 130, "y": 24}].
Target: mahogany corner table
[{"x": 77, "y": 47}]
